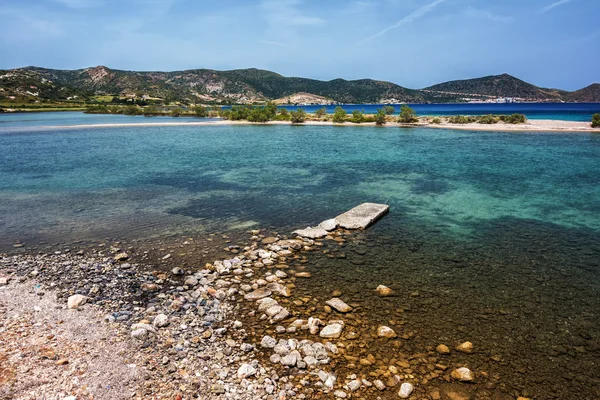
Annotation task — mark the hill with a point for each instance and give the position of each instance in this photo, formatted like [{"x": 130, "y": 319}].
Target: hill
[
  {"x": 246, "y": 86},
  {"x": 589, "y": 94},
  {"x": 496, "y": 86}
]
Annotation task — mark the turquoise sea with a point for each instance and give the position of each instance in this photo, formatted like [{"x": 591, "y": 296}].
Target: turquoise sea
[{"x": 492, "y": 237}]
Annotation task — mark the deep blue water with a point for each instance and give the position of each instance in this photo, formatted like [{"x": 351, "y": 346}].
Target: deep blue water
[
  {"x": 559, "y": 111},
  {"x": 492, "y": 237}
]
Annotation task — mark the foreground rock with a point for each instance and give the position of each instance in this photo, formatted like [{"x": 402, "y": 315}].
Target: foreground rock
[
  {"x": 311, "y": 233},
  {"x": 386, "y": 332},
  {"x": 362, "y": 216},
  {"x": 76, "y": 301},
  {"x": 339, "y": 305},
  {"x": 332, "y": 331},
  {"x": 463, "y": 375}
]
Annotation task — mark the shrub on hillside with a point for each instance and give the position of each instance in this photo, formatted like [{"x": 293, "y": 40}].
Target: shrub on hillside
[
  {"x": 298, "y": 116},
  {"x": 488, "y": 119},
  {"x": 380, "y": 116},
  {"x": 200, "y": 111},
  {"x": 596, "y": 121},
  {"x": 461, "y": 119},
  {"x": 321, "y": 112},
  {"x": 515, "y": 119},
  {"x": 436, "y": 121},
  {"x": 389, "y": 110},
  {"x": 176, "y": 112},
  {"x": 358, "y": 117}
]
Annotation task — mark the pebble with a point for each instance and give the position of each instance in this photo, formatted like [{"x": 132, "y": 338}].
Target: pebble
[
  {"x": 379, "y": 384},
  {"x": 383, "y": 290},
  {"x": 386, "y": 331},
  {"x": 177, "y": 270},
  {"x": 340, "y": 394},
  {"x": 245, "y": 371},
  {"x": 354, "y": 385},
  {"x": 258, "y": 294},
  {"x": 268, "y": 342},
  {"x": 75, "y": 301},
  {"x": 160, "y": 321},
  {"x": 442, "y": 349},
  {"x": 121, "y": 256},
  {"x": 406, "y": 390},
  {"x": 332, "y": 331},
  {"x": 466, "y": 347},
  {"x": 463, "y": 374},
  {"x": 3, "y": 281},
  {"x": 339, "y": 305}
]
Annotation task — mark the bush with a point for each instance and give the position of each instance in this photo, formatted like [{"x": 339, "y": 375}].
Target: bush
[
  {"x": 298, "y": 116},
  {"x": 358, "y": 117},
  {"x": 596, "y": 121},
  {"x": 407, "y": 115},
  {"x": 150, "y": 111},
  {"x": 260, "y": 114},
  {"x": 237, "y": 113},
  {"x": 436, "y": 121},
  {"x": 488, "y": 119},
  {"x": 284, "y": 112},
  {"x": 389, "y": 110},
  {"x": 515, "y": 119},
  {"x": 176, "y": 112},
  {"x": 380, "y": 116},
  {"x": 339, "y": 115},
  {"x": 461, "y": 119},
  {"x": 321, "y": 112},
  {"x": 200, "y": 111}
]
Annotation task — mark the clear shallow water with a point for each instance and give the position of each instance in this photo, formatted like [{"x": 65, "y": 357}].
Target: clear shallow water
[
  {"x": 558, "y": 111},
  {"x": 492, "y": 237}
]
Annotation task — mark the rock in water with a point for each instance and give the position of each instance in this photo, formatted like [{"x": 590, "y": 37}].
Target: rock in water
[
  {"x": 383, "y": 290},
  {"x": 339, "y": 305},
  {"x": 466, "y": 347},
  {"x": 311, "y": 233},
  {"x": 442, "y": 349},
  {"x": 406, "y": 390},
  {"x": 332, "y": 331},
  {"x": 386, "y": 331},
  {"x": 268, "y": 342},
  {"x": 121, "y": 257},
  {"x": 329, "y": 225},
  {"x": 258, "y": 294},
  {"x": 361, "y": 216},
  {"x": 463, "y": 374},
  {"x": 76, "y": 301}
]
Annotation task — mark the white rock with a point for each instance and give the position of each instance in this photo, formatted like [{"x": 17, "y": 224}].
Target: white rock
[
  {"x": 139, "y": 334},
  {"x": 268, "y": 342},
  {"x": 340, "y": 394},
  {"x": 383, "y": 290},
  {"x": 329, "y": 225},
  {"x": 311, "y": 233},
  {"x": 3, "y": 281},
  {"x": 245, "y": 371},
  {"x": 258, "y": 294},
  {"x": 361, "y": 216},
  {"x": 160, "y": 321},
  {"x": 406, "y": 390},
  {"x": 463, "y": 374},
  {"x": 265, "y": 304},
  {"x": 330, "y": 382},
  {"x": 379, "y": 384},
  {"x": 75, "y": 301},
  {"x": 354, "y": 385},
  {"x": 332, "y": 331},
  {"x": 339, "y": 305},
  {"x": 386, "y": 331}
]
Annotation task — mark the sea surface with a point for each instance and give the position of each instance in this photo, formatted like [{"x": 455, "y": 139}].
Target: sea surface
[
  {"x": 558, "y": 111},
  {"x": 492, "y": 237}
]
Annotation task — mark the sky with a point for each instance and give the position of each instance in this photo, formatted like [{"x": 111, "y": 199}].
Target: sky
[{"x": 414, "y": 43}]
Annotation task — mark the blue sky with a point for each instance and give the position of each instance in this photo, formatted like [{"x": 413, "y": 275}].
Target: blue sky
[{"x": 415, "y": 43}]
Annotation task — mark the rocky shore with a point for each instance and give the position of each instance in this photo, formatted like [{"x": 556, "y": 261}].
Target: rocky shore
[{"x": 232, "y": 328}]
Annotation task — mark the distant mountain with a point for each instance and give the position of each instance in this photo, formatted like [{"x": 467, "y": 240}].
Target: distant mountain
[
  {"x": 589, "y": 94},
  {"x": 503, "y": 85},
  {"x": 33, "y": 84}
]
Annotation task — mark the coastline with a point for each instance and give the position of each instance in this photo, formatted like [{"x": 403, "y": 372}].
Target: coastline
[{"x": 530, "y": 126}]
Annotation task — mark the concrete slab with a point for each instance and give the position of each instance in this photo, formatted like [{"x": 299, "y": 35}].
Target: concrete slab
[{"x": 361, "y": 216}]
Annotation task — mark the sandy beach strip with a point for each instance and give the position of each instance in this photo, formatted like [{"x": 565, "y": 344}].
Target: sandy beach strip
[{"x": 529, "y": 126}]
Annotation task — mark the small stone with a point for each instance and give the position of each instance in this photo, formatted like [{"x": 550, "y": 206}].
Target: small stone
[
  {"x": 311, "y": 233},
  {"x": 75, "y": 301},
  {"x": 258, "y": 294},
  {"x": 3, "y": 281},
  {"x": 354, "y": 385},
  {"x": 268, "y": 342},
  {"x": 177, "y": 271},
  {"x": 442, "y": 349},
  {"x": 139, "y": 334},
  {"x": 217, "y": 389},
  {"x": 466, "y": 347},
  {"x": 406, "y": 390},
  {"x": 160, "y": 321},
  {"x": 269, "y": 240},
  {"x": 62, "y": 361},
  {"x": 237, "y": 324},
  {"x": 340, "y": 394},
  {"x": 332, "y": 331},
  {"x": 121, "y": 257},
  {"x": 245, "y": 371},
  {"x": 290, "y": 359},
  {"x": 379, "y": 384},
  {"x": 246, "y": 347},
  {"x": 386, "y": 331},
  {"x": 383, "y": 290},
  {"x": 463, "y": 374},
  {"x": 190, "y": 281},
  {"x": 302, "y": 275},
  {"x": 339, "y": 305}
]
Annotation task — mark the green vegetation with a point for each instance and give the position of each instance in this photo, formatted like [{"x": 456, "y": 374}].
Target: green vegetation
[
  {"x": 488, "y": 119},
  {"x": 513, "y": 119},
  {"x": 389, "y": 110},
  {"x": 339, "y": 115},
  {"x": 462, "y": 119},
  {"x": 436, "y": 121},
  {"x": 135, "y": 110},
  {"x": 176, "y": 112},
  {"x": 321, "y": 112},
  {"x": 596, "y": 121},
  {"x": 200, "y": 111},
  {"x": 358, "y": 117},
  {"x": 298, "y": 116},
  {"x": 407, "y": 115},
  {"x": 380, "y": 117}
]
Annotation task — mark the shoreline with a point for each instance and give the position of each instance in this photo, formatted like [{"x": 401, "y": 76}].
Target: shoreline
[{"x": 538, "y": 126}]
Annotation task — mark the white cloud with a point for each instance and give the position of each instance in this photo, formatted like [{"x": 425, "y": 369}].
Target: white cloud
[
  {"x": 477, "y": 13},
  {"x": 79, "y": 4},
  {"x": 418, "y": 13},
  {"x": 286, "y": 13},
  {"x": 555, "y": 4}
]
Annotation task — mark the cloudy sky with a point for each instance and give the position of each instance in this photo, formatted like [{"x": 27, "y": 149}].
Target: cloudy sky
[{"x": 415, "y": 43}]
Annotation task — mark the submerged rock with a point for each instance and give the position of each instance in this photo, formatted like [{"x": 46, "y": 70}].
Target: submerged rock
[
  {"x": 383, "y": 291},
  {"x": 442, "y": 349},
  {"x": 332, "y": 331},
  {"x": 339, "y": 305},
  {"x": 311, "y": 233},
  {"x": 386, "y": 331},
  {"x": 463, "y": 374},
  {"x": 258, "y": 294},
  {"x": 245, "y": 371},
  {"x": 406, "y": 390},
  {"x": 466, "y": 347}
]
